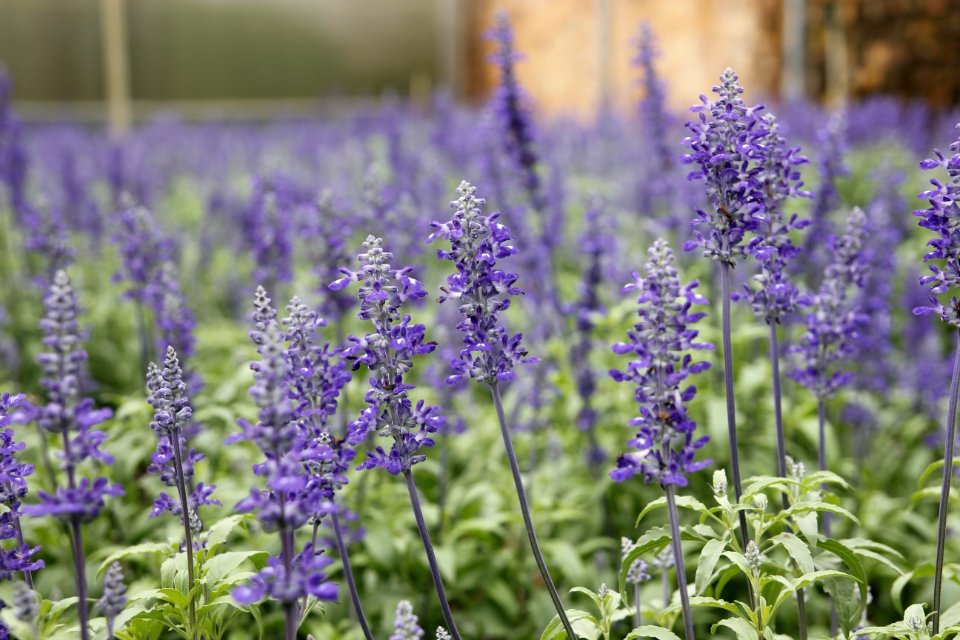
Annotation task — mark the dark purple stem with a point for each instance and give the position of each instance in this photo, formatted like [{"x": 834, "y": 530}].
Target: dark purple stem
[
  {"x": 185, "y": 517},
  {"x": 525, "y": 511},
  {"x": 678, "y": 562},
  {"x": 782, "y": 457},
  {"x": 431, "y": 556},
  {"x": 725, "y": 284},
  {"x": 79, "y": 569},
  {"x": 348, "y": 575},
  {"x": 945, "y": 487}
]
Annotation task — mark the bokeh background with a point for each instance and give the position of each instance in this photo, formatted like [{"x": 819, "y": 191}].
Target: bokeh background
[{"x": 247, "y": 58}]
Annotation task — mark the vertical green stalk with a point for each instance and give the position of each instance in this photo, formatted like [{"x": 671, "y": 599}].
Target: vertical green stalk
[
  {"x": 945, "y": 487},
  {"x": 187, "y": 532},
  {"x": 678, "y": 563},
  {"x": 525, "y": 511}
]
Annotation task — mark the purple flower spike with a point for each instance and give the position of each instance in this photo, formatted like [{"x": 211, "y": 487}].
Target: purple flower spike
[
  {"x": 834, "y": 320},
  {"x": 660, "y": 343},
  {"x": 388, "y": 353},
  {"x": 723, "y": 148},
  {"x": 481, "y": 289}
]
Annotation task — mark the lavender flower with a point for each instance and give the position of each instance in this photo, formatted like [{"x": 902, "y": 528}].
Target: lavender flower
[
  {"x": 175, "y": 322},
  {"x": 830, "y": 166},
  {"x": 941, "y": 217},
  {"x": 661, "y": 341},
  {"x": 13, "y": 488},
  {"x": 13, "y": 154},
  {"x": 405, "y": 625},
  {"x": 654, "y": 115},
  {"x": 774, "y": 296},
  {"x": 287, "y": 503},
  {"x": 834, "y": 321},
  {"x": 513, "y": 114},
  {"x": 268, "y": 230},
  {"x": 723, "y": 146},
  {"x": 481, "y": 289},
  {"x": 25, "y": 607},
  {"x": 72, "y": 418},
  {"x": 114, "y": 598},
  {"x": 388, "y": 353}
]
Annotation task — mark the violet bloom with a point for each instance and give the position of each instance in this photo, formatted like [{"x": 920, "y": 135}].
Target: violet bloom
[
  {"x": 654, "y": 115},
  {"x": 388, "y": 353},
  {"x": 596, "y": 242},
  {"x": 834, "y": 320},
  {"x": 661, "y": 341},
  {"x": 285, "y": 504},
  {"x": 268, "y": 230},
  {"x": 490, "y": 353},
  {"x": 175, "y": 322},
  {"x": 480, "y": 289},
  {"x": 513, "y": 114},
  {"x": 114, "y": 599},
  {"x": 405, "y": 623},
  {"x": 826, "y": 200},
  {"x": 13, "y": 153},
  {"x": 773, "y": 296},
  {"x": 723, "y": 147},
  {"x": 13, "y": 488},
  {"x": 942, "y": 217},
  {"x": 72, "y": 419}
]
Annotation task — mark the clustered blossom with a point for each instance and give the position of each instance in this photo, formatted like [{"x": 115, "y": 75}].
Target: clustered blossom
[
  {"x": 268, "y": 231},
  {"x": 773, "y": 296},
  {"x": 388, "y": 353},
  {"x": 595, "y": 243},
  {"x": 305, "y": 577},
  {"x": 826, "y": 199},
  {"x": 172, "y": 419},
  {"x": 480, "y": 289},
  {"x": 288, "y": 501},
  {"x": 661, "y": 341},
  {"x": 143, "y": 247},
  {"x": 315, "y": 382},
  {"x": 175, "y": 321},
  {"x": 405, "y": 623},
  {"x": 654, "y": 114},
  {"x": 13, "y": 488},
  {"x": 114, "y": 598},
  {"x": 66, "y": 414},
  {"x": 13, "y": 153},
  {"x": 639, "y": 571},
  {"x": 942, "y": 217},
  {"x": 834, "y": 320},
  {"x": 512, "y": 112},
  {"x": 723, "y": 146}
]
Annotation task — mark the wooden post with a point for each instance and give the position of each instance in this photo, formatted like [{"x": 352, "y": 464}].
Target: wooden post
[
  {"x": 792, "y": 73},
  {"x": 837, "y": 61},
  {"x": 604, "y": 15},
  {"x": 113, "y": 32}
]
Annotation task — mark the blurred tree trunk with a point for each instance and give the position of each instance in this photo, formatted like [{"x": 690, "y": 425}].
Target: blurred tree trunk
[
  {"x": 793, "y": 62},
  {"x": 113, "y": 23}
]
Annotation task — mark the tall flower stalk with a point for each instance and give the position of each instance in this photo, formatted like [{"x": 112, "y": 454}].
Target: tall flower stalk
[
  {"x": 174, "y": 460},
  {"x": 288, "y": 501},
  {"x": 661, "y": 343},
  {"x": 13, "y": 488},
  {"x": 490, "y": 353},
  {"x": 942, "y": 217},
  {"x": 832, "y": 327},
  {"x": 315, "y": 383},
  {"x": 72, "y": 419},
  {"x": 723, "y": 149},
  {"x": 388, "y": 353}
]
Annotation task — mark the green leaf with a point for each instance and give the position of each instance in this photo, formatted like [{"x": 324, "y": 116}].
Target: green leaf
[
  {"x": 846, "y": 602},
  {"x": 739, "y": 626},
  {"x": 683, "y": 502},
  {"x": 555, "y": 630},
  {"x": 146, "y": 548},
  {"x": 798, "y": 551},
  {"x": 923, "y": 571},
  {"x": 221, "y": 565},
  {"x": 709, "y": 557},
  {"x": 221, "y": 530},
  {"x": 932, "y": 468},
  {"x": 650, "y": 631}
]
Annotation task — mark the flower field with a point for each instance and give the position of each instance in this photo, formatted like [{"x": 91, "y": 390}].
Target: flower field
[{"x": 440, "y": 371}]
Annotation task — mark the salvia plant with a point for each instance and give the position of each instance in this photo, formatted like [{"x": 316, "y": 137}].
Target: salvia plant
[{"x": 125, "y": 517}]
